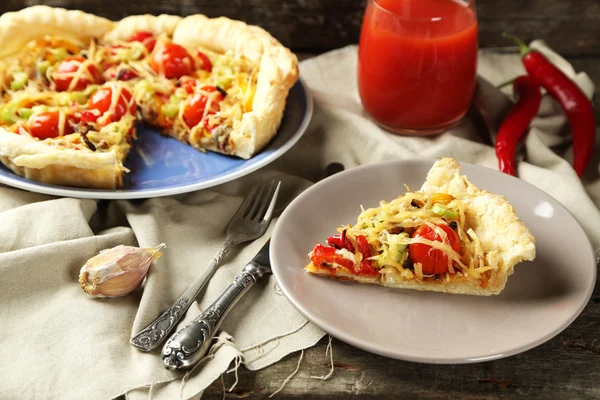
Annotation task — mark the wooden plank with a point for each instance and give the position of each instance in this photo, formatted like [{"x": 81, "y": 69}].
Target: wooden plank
[
  {"x": 567, "y": 367},
  {"x": 572, "y": 27}
]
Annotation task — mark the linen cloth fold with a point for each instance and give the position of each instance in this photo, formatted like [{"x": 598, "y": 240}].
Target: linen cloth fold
[{"x": 57, "y": 342}]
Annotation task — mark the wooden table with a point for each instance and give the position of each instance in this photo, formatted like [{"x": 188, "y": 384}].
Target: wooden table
[{"x": 566, "y": 367}]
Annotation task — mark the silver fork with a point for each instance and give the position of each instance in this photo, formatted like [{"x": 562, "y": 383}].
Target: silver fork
[{"x": 249, "y": 222}]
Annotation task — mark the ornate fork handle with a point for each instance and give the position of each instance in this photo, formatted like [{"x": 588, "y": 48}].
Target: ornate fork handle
[
  {"x": 191, "y": 343},
  {"x": 150, "y": 337}
]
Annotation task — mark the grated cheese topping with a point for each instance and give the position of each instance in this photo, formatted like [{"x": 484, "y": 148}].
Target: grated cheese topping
[
  {"x": 236, "y": 75},
  {"x": 28, "y": 81},
  {"x": 389, "y": 228}
]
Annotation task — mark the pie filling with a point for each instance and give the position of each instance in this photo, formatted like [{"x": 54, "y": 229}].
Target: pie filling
[
  {"x": 416, "y": 237},
  {"x": 88, "y": 96}
]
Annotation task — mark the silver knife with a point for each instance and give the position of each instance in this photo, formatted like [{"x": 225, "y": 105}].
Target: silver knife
[{"x": 191, "y": 343}]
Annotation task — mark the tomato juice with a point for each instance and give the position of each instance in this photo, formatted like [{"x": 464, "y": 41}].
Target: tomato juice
[{"x": 417, "y": 62}]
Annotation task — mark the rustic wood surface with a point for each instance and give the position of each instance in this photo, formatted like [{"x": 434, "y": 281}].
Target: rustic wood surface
[
  {"x": 572, "y": 27},
  {"x": 566, "y": 367}
]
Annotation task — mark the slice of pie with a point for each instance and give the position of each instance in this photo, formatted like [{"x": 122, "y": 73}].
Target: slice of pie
[
  {"x": 56, "y": 139},
  {"x": 216, "y": 84},
  {"x": 448, "y": 237}
]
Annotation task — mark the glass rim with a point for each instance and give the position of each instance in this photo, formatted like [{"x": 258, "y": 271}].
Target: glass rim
[{"x": 469, "y": 3}]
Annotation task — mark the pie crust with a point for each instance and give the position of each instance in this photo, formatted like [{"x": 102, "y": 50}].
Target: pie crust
[{"x": 277, "y": 73}]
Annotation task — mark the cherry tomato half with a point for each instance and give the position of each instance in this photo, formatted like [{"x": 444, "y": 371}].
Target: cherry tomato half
[
  {"x": 147, "y": 38},
  {"x": 172, "y": 61},
  {"x": 102, "y": 101},
  {"x": 433, "y": 261},
  {"x": 69, "y": 68},
  {"x": 194, "y": 109},
  {"x": 46, "y": 125}
]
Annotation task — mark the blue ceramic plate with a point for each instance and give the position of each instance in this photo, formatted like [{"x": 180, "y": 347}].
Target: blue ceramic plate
[{"x": 163, "y": 166}]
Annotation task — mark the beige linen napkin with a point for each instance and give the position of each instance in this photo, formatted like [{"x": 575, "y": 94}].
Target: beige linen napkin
[{"x": 57, "y": 342}]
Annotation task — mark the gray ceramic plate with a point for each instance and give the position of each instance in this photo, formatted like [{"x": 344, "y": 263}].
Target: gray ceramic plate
[{"x": 540, "y": 300}]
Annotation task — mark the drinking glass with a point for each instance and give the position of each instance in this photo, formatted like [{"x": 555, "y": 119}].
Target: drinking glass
[{"x": 417, "y": 62}]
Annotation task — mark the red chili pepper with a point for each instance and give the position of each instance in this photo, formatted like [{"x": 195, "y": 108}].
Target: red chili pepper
[
  {"x": 515, "y": 124},
  {"x": 574, "y": 102},
  {"x": 325, "y": 256}
]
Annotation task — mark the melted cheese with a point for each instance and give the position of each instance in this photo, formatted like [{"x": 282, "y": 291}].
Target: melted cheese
[
  {"x": 83, "y": 72},
  {"x": 62, "y": 120},
  {"x": 238, "y": 73},
  {"x": 376, "y": 225},
  {"x": 235, "y": 74}
]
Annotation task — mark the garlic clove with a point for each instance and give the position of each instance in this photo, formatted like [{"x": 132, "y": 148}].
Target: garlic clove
[{"x": 117, "y": 271}]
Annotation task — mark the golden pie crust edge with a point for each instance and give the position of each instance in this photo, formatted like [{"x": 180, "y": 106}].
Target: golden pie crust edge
[
  {"x": 278, "y": 72},
  {"x": 504, "y": 238},
  {"x": 39, "y": 161}
]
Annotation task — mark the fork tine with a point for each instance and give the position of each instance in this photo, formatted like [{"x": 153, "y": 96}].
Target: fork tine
[
  {"x": 264, "y": 201},
  {"x": 260, "y": 199},
  {"x": 266, "y": 214},
  {"x": 250, "y": 200}
]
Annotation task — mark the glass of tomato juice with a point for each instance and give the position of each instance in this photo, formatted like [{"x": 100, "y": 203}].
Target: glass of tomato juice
[{"x": 417, "y": 63}]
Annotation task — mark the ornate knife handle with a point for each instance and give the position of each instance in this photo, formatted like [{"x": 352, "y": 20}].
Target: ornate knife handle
[
  {"x": 191, "y": 343},
  {"x": 150, "y": 337}
]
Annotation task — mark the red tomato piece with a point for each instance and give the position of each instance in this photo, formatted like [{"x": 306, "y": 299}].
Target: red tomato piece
[
  {"x": 189, "y": 84},
  {"x": 194, "y": 110},
  {"x": 71, "y": 67},
  {"x": 363, "y": 247},
  {"x": 124, "y": 74},
  {"x": 206, "y": 64},
  {"x": 433, "y": 261},
  {"x": 208, "y": 125},
  {"x": 366, "y": 265},
  {"x": 113, "y": 48},
  {"x": 88, "y": 116},
  {"x": 325, "y": 256},
  {"x": 46, "y": 125},
  {"x": 102, "y": 101},
  {"x": 147, "y": 38},
  {"x": 140, "y": 36},
  {"x": 172, "y": 61},
  {"x": 150, "y": 44},
  {"x": 340, "y": 242}
]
